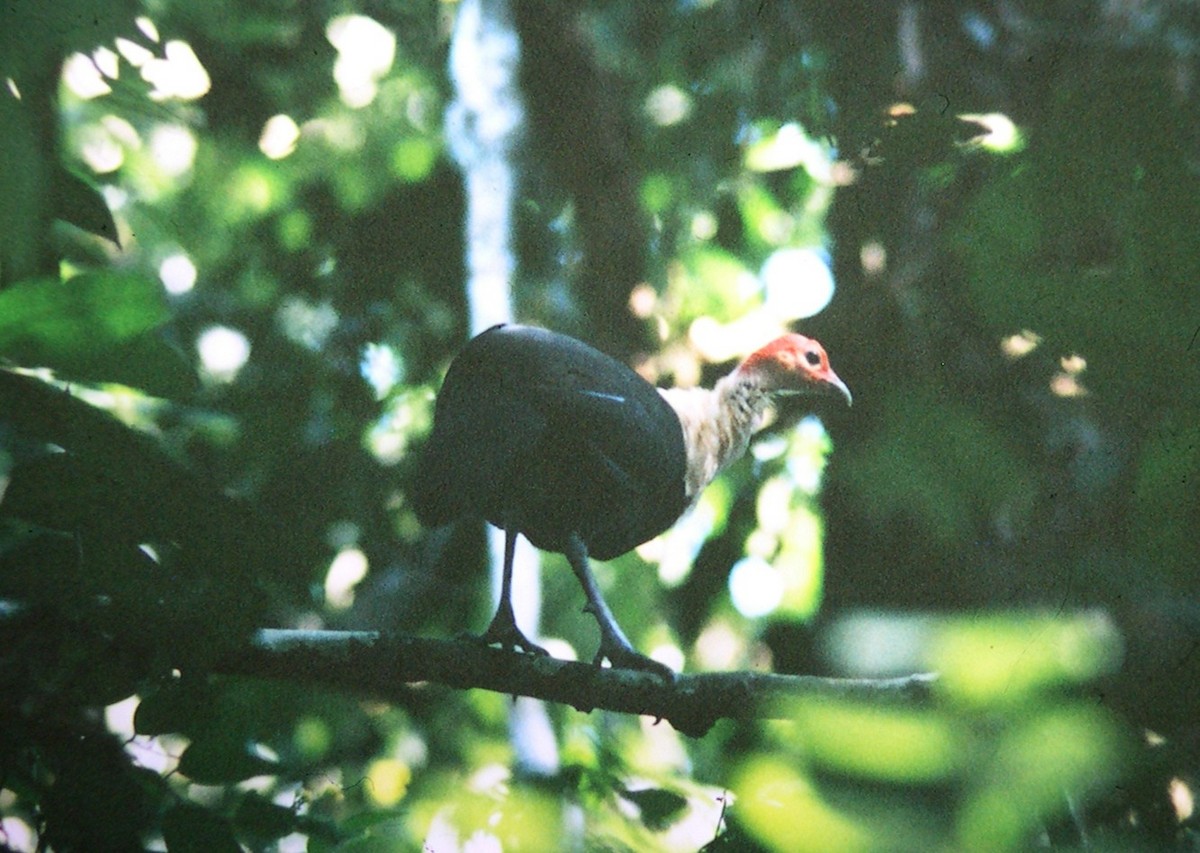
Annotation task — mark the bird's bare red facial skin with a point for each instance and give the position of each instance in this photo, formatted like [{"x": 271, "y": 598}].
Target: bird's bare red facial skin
[{"x": 791, "y": 363}]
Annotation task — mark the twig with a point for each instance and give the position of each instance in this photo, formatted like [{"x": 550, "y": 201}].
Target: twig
[{"x": 387, "y": 666}]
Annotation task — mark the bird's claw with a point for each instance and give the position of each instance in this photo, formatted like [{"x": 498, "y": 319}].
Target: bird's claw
[
  {"x": 510, "y": 638},
  {"x": 622, "y": 657}
]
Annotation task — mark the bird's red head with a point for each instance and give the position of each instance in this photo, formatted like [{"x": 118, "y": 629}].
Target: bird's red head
[{"x": 794, "y": 364}]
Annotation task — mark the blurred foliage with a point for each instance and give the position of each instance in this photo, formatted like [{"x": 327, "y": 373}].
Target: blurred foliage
[{"x": 231, "y": 273}]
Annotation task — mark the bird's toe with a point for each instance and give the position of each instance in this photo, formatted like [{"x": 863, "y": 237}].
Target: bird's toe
[
  {"x": 627, "y": 658},
  {"x": 511, "y": 639}
]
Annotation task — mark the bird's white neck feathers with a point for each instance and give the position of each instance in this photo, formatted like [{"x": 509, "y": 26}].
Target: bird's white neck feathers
[{"x": 717, "y": 424}]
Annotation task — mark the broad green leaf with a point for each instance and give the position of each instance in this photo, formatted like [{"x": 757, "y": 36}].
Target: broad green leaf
[
  {"x": 263, "y": 819},
  {"x": 783, "y": 810},
  {"x": 1075, "y": 747},
  {"x": 191, "y": 829},
  {"x": 94, "y": 327},
  {"x": 659, "y": 807},
  {"x": 220, "y": 760},
  {"x": 82, "y": 205},
  {"x": 147, "y": 362},
  {"x": 43, "y": 317},
  {"x": 182, "y": 706},
  {"x": 896, "y": 745},
  {"x": 1000, "y": 661}
]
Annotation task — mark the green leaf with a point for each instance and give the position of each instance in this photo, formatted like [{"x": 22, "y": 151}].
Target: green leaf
[
  {"x": 94, "y": 327},
  {"x": 93, "y": 309},
  {"x": 97, "y": 802},
  {"x": 41, "y": 568},
  {"x": 147, "y": 362},
  {"x": 221, "y": 760},
  {"x": 191, "y": 829},
  {"x": 184, "y": 706},
  {"x": 659, "y": 807},
  {"x": 82, "y": 205},
  {"x": 263, "y": 819}
]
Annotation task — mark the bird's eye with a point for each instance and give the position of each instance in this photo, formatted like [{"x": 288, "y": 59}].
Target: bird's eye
[{"x": 812, "y": 357}]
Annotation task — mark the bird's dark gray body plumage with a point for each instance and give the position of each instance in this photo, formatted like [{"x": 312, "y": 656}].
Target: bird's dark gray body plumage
[{"x": 542, "y": 434}]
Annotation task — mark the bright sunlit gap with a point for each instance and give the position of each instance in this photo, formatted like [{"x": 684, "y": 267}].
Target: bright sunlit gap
[
  {"x": 178, "y": 274},
  {"x": 366, "y": 50},
  {"x": 1074, "y": 364},
  {"x": 675, "y": 550},
  {"x": 173, "y": 148},
  {"x": 133, "y": 53},
  {"x": 873, "y": 257},
  {"x": 669, "y": 654},
  {"x": 755, "y": 587},
  {"x": 1183, "y": 799},
  {"x": 643, "y": 300},
  {"x": 789, "y": 147},
  {"x": 305, "y": 323},
  {"x": 158, "y": 754},
  {"x": 177, "y": 74},
  {"x": 1068, "y": 381},
  {"x": 148, "y": 28},
  {"x": 223, "y": 352},
  {"x": 387, "y": 781},
  {"x": 17, "y": 834},
  {"x": 346, "y": 571},
  {"x": 668, "y": 105},
  {"x": 1020, "y": 344},
  {"x": 797, "y": 283},
  {"x": 704, "y": 225},
  {"x": 101, "y": 148},
  {"x": 103, "y": 144},
  {"x": 381, "y": 367},
  {"x": 279, "y": 137},
  {"x": 1000, "y": 135},
  {"x": 83, "y": 77},
  {"x": 406, "y": 414},
  {"x": 720, "y": 647}
]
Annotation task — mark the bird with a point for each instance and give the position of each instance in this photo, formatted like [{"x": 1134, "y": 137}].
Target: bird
[{"x": 546, "y": 437}]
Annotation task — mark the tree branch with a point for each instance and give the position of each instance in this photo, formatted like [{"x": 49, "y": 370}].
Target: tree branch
[{"x": 387, "y": 665}]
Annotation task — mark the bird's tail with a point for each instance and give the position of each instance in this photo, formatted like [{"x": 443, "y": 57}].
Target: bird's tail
[{"x": 433, "y": 499}]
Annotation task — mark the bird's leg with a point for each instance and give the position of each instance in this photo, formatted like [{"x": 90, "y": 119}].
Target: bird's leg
[
  {"x": 503, "y": 629},
  {"x": 614, "y": 645}
]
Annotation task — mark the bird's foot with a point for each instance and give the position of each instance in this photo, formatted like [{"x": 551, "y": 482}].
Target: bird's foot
[
  {"x": 624, "y": 656},
  {"x": 507, "y": 635}
]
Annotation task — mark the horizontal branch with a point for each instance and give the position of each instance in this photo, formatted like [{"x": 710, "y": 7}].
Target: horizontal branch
[{"x": 386, "y": 666}]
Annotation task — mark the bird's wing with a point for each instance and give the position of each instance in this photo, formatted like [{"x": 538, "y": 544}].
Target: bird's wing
[
  {"x": 592, "y": 423},
  {"x": 621, "y": 450},
  {"x": 542, "y": 428}
]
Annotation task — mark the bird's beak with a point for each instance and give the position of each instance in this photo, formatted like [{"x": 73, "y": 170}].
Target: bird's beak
[
  {"x": 836, "y": 386},
  {"x": 828, "y": 384}
]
